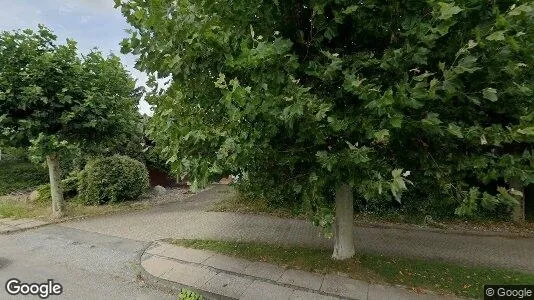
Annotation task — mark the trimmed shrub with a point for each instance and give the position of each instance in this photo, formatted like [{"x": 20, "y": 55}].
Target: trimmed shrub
[{"x": 112, "y": 179}]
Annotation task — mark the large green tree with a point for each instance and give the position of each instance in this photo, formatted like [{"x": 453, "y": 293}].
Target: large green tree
[
  {"x": 53, "y": 99},
  {"x": 313, "y": 100}
]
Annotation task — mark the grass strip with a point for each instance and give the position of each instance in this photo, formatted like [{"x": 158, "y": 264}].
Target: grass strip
[{"x": 441, "y": 277}]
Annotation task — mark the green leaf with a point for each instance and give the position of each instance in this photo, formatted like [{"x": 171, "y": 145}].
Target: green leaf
[
  {"x": 432, "y": 119},
  {"x": 496, "y": 36},
  {"x": 349, "y": 10},
  {"x": 489, "y": 202},
  {"x": 396, "y": 121},
  {"x": 490, "y": 94},
  {"x": 423, "y": 76},
  {"x": 516, "y": 193},
  {"x": 526, "y": 131},
  {"x": 455, "y": 130},
  {"x": 471, "y": 44},
  {"x": 524, "y": 8},
  {"x": 466, "y": 65},
  {"x": 381, "y": 136},
  {"x": 398, "y": 184},
  {"x": 447, "y": 10}
]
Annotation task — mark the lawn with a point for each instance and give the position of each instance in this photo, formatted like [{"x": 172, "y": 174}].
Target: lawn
[
  {"x": 16, "y": 208},
  {"x": 441, "y": 277}
]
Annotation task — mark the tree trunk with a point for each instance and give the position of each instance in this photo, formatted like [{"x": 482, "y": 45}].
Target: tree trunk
[
  {"x": 518, "y": 214},
  {"x": 56, "y": 190},
  {"x": 344, "y": 229}
]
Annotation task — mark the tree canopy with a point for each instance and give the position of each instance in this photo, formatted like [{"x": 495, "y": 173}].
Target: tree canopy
[
  {"x": 49, "y": 93},
  {"x": 52, "y": 98},
  {"x": 430, "y": 98}
]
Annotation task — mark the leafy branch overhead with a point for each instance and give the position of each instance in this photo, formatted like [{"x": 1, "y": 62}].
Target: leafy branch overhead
[
  {"x": 51, "y": 97},
  {"x": 299, "y": 96}
]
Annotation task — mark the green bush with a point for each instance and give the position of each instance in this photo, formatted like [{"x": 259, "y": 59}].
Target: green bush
[
  {"x": 17, "y": 175},
  {"x": 112, "y": 179},
  {"x": 43, "y": 194},
  {"x": 70, "y": 189},
  {"x": 14, "y": 154}
]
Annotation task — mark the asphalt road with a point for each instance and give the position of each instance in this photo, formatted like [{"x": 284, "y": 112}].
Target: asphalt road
[{"x": 87, "y": 265}]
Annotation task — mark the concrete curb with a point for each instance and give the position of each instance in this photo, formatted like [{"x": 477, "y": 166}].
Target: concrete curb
[
  {"x": 175, "y": 287},
  {"x": 167, "y": 285},
  {"x": 15, "y": 230}
]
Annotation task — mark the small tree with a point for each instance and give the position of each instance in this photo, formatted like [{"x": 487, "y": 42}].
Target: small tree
[
  {"x": 52, "y": 99},
  {"x": 314, "y": 100}
]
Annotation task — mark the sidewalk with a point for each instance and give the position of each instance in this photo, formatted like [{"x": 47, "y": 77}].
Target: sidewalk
[
  {"x": 219, "y": 276},
  {"x": 8, "y": 225},
  {"x": 190, "y": 219}
]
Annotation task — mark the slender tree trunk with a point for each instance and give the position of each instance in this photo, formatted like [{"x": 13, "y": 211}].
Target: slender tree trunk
[
  {"x": 518, "y": 214},
  {"x": 56, "y": 189},
  {"x": 344, "y": 228}
]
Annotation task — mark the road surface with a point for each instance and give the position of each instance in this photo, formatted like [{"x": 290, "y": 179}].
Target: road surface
[{"x": 87, "y": 265}]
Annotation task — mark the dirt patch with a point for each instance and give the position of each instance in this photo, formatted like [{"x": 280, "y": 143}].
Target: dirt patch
[
  {"x": 174, "y": 194},
  {"x": 20, "y": 197}
]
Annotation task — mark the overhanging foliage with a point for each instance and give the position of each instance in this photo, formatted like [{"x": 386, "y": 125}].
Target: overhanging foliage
[{"x": 299, "y": 96}]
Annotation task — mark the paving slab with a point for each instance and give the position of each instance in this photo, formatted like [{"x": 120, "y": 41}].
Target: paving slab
[
  {"x": 345, "y": 287},
  {"x": 158, "y": 248},
  {"x": 267, "y": 291},
  {"x": 156, "y": 265},
  {"x": 228, "y": 285},
  {"x": 232, "y": 264},
  {"x": 264, "y": 270},
  {"x": 302, "y": 279},
  {"x": 304, "y": 295},
  {"x": 188, "y": 274}
]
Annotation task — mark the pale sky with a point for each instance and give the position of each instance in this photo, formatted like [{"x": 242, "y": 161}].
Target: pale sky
[{"x": 92, "y": 23}]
